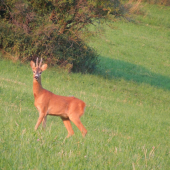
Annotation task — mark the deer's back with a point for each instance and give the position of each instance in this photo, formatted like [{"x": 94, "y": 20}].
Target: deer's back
[{"x": 61, "y": 105}]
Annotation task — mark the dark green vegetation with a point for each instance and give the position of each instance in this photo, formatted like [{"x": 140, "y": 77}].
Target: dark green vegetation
[
  {"x": 158, "y": 2},
  {"x": 52, "y": 30},
  {"x": 128, "y": 104}
]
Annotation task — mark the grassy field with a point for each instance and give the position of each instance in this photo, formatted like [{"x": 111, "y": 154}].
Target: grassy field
[{"x": 128, "y": 104}]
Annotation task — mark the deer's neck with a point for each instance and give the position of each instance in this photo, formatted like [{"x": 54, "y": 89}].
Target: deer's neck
[{"x": 37, "y": 87}]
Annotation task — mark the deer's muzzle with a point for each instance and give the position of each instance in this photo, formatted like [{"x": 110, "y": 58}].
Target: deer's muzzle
[{"x": 36, "y": 76}]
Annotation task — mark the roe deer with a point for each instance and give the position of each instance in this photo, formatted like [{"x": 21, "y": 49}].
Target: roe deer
[{"x": 47, "y": 103}]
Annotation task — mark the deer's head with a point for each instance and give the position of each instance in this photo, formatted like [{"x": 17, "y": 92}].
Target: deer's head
[{"x": 37, "y": 69}]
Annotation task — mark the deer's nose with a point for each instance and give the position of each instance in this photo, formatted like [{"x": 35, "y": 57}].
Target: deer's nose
[{"x": 36, "y": 76}]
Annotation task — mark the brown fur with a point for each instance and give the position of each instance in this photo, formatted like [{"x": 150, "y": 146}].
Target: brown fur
[{"x": 47, "y": 103}]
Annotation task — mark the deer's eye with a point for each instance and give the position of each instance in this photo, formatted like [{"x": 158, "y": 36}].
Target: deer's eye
[
  {"x": 40, "y": 72},
  {"x": 34, "y": 72}
]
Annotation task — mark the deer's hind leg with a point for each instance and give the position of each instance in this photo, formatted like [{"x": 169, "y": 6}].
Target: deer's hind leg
[
  {"x": 68, "y": 126},
  {"x": 76, "y": 120}
]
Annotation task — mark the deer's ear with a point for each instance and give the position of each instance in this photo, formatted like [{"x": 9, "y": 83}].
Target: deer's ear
[
  {"x": 44, "y": 67},
  {"x": 32, "y": 64}
]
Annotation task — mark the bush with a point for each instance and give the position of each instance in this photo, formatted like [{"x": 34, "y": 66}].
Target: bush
[
  {"x": 158, "y": 2},
  {"x": 52, "y": 29}
]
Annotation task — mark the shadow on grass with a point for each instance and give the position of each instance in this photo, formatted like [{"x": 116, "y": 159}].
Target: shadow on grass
[{"x": 131, "y": 72}]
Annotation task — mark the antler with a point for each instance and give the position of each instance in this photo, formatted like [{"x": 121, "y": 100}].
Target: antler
[
  {"x": 37, "y": 62},
  {"x": 40, "y": 62}
]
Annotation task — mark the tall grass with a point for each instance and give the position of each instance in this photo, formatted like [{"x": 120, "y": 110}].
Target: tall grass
[{"x": 127, "y": 114}]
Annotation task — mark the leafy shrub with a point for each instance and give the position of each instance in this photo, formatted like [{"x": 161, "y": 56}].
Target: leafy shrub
[
  {"x": 52, "y": 29},
  {"x": 159, "y": 2}
]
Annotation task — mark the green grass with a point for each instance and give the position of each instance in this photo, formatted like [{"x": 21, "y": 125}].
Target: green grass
[{"x": 127, "y": 114}]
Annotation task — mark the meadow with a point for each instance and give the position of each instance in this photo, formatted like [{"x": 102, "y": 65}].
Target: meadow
[{"x": 128, "y": 104}]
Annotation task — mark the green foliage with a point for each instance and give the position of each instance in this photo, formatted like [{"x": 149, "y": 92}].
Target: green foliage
[
  {"x": 52, "y": 30},
  {"x": 158, "y": 2}
]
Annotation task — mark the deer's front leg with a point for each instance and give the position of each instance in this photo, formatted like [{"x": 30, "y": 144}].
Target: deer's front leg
[
  {"x": 44, "y": 122},
  {"x": 41, "y": 117}
]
